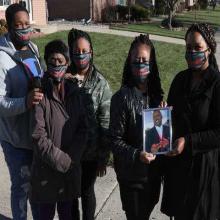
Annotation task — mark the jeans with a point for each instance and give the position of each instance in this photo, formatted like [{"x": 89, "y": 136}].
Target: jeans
[
  {"x": 47, "y": 210},
  {"x": 19, "y": 163},
  {"x": 88, "y": 199}
]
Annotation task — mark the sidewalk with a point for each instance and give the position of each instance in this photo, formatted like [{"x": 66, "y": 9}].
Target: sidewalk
[
  {"x": 54, "y": 27},
  {"x": 107, "y": 193}
]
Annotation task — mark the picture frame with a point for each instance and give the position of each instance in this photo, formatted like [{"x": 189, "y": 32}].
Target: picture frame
[{"x": 157, "y": 130}]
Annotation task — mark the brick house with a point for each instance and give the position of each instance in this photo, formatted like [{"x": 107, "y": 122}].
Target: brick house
[
  {"x": 36, "y": 8},
  {"x": 78, "y": 9}
]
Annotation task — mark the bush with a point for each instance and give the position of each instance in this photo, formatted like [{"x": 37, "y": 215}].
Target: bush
[
  {"x": 139, "y": 13},
  {"x": 175, "y": 23},
  {"x": 160, "y": 8},
  {"x": 203, "y": 4},
  {"x": 109, "y": 14},
  {"x": 122, "y": 11},
  {"x": 3, "y": 26}
]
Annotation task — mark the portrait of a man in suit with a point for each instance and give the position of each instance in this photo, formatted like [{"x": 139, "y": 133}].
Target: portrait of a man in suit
[{"x": 158, "y": 137}]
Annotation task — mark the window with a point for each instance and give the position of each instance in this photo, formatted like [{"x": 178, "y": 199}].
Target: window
[
  {"x": 121, "y": 2},
  {"x": 5, "y": 2}
]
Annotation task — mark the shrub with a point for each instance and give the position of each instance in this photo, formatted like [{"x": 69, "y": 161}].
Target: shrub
[
  {"x": 122, "y": 11},
  {"x": 3, "y": 26},
  {"x": 109, "y": 14},
  {"x": 139, "y": 13},
  {"x": 175, "y": 23},
  {"x": 203, "y": 4},
  {"x": 160, "y": 8}
]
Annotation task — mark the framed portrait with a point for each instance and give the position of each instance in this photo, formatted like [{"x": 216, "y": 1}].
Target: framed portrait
[{"x": 157, "y": 130}]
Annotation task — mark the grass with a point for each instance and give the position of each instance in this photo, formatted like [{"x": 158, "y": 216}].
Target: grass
[
  {"x": 111, "y": 51},
  {"x": 208, "y": 16},
  {"x": 150, "y": 28},
  {"x": 187, "y": 18}
]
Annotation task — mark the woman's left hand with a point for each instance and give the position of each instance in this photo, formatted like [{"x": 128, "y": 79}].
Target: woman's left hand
[
  {"x": 179, "y": 146},
  {"x": 101, "y": 171}
]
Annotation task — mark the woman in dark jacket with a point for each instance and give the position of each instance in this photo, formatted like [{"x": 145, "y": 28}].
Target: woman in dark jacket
[
  {"x": 97, "y": 98},
  {"x": 59, "y": 135},
  {"x": 191, "y": 184},
  {"x": 139, "y": 178}
]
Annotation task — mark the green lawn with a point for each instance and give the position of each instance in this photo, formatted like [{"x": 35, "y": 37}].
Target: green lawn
[
  {"x": 208, "y": 16},
  {"x": 111, "y": 52},
  {"x": 150, "y": 28}
]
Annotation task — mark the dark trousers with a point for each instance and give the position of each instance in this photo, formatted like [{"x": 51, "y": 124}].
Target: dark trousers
[
  {"x": 47, "y": 210},
  {"x": 88, "y": 199},
  {"x": 138, "y": 201}
]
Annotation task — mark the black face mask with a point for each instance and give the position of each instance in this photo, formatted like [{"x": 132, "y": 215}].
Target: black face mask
[
  {"x": 21, "y": 36},
  {"x": 56, "y": 72},
  {"x": 140, "y": 71}
]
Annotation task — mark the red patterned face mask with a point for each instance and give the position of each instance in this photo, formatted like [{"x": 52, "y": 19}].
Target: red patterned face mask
[
  {"x": 22, "y": 36},
  {"x": 196, "y": 59}
]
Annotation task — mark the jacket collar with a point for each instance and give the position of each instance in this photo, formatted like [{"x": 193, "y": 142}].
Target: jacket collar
[
  {"x": 8, "y": 47},
  {"x": 208, "y": 77}
]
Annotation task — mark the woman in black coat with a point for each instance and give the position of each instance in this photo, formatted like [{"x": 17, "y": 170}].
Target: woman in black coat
[
  {"x": 191, "y": 182},
  {"x": 138, "y": 173}
]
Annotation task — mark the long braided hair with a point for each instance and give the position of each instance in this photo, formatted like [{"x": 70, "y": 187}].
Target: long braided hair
[
  {"x": 153, "y": 81},
  {"x": 208, "y": 34},
  {"x": 73, "y": 36}
]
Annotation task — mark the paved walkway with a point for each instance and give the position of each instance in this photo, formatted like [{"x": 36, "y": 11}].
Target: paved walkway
[
  {"x": 103, "y": 29},
  {"x": 107, "y": 192}
]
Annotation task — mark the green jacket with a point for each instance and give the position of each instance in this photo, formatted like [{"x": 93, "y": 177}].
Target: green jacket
[{"x": 98, "y": 97}]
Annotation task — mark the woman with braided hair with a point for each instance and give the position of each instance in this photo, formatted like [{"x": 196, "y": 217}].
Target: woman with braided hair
[
  {"x": 138, "y": 172},
  {"x": 97, "y": 97},
  {"x": 191, "y": 181}
]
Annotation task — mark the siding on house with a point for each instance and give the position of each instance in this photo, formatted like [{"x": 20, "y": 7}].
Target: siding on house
[
  {"x": 68, "y": 9},
  {"x": 77, "y": 9}
]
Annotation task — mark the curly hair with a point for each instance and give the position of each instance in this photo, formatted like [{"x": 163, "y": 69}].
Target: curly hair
[
  {"x": 73, "y": 36},
  {"x": 208, "y": 34},
  {"x": 56, "y": 46},
  {"x": 154, "y": 88}
]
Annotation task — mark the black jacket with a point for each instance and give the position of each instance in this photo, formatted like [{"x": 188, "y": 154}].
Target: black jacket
[
  {"x": 127, "y": 135},
  {"x": 60, "y": 136},
  {"x": 191, "y": 185}
]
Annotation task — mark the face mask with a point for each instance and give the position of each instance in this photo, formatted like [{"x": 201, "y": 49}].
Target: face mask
[
  {"x": 82, "y": 60},
  {"x": 22, "y": 36},
  {"x": 140, "y": 72},
  {"x": 57, "y": 72},
  {"x": 196, "y": 59}
]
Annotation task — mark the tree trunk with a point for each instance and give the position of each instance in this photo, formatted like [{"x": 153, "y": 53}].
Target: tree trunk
[{"x": 170, "y": 18}]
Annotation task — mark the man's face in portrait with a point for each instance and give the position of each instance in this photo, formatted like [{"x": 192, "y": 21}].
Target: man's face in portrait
[{"x": 157, "y": 118}]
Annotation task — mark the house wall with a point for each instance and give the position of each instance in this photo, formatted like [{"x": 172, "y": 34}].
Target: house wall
[
  {"x": 68, "y": 9},
  {"x": 38, "y": 10},
  {"x": 98, "y": 6}
]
